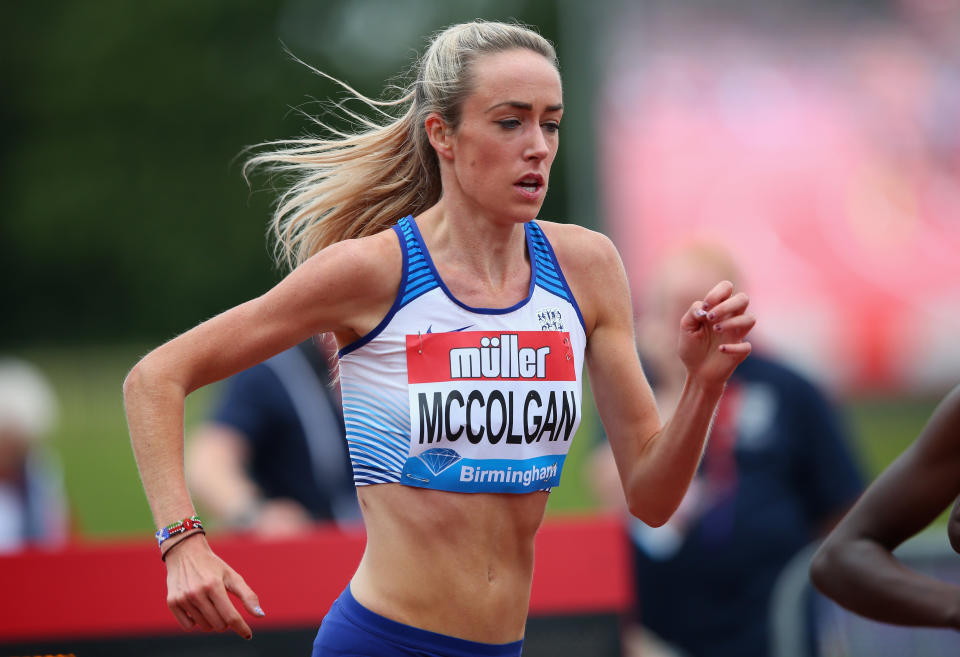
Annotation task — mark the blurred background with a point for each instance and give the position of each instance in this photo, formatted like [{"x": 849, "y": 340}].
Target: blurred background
[
  {"x": 821, "y": 145},
  {"x": 818, "y": 142}
]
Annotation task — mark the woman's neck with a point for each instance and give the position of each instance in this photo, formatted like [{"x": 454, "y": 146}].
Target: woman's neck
[{"x": 491, "y": 252}]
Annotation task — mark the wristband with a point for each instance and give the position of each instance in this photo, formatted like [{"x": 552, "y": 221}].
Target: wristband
[
  {"x": 176, "y": 528},
  {"x": 163, "y": 555}
]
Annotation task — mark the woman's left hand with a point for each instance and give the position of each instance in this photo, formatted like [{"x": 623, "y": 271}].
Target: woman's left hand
[{"x": 711, "y": 335}]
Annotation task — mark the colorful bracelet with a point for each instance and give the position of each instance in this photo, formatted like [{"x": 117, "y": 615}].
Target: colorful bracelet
[
  {"x": 164, "y": 553},
  {"x": 176, "y": 528}
]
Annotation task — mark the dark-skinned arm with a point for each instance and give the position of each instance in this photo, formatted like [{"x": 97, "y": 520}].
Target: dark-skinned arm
[{"x": 855, "y": 565}]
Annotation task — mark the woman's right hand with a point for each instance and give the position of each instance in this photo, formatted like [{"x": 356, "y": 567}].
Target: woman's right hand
[{"x": 197, "y": 585}]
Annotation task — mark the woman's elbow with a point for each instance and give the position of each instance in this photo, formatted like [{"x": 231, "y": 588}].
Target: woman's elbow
[
  {"x": 133, "y": 381},
  {"x": 144, "y": 376}
]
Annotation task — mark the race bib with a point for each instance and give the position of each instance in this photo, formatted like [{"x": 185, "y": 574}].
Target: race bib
[{"x": 490, "y": 411}]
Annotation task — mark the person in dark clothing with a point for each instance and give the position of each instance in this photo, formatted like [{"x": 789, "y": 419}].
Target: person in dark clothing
[
  {"x": 273, "y": 458},
  {"x": 775, "y": 475}
]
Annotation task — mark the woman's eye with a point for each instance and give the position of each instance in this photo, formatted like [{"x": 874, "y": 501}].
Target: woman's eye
[
  {"x": 509, "y": 124},
  {"x": 551, "y": 127}
]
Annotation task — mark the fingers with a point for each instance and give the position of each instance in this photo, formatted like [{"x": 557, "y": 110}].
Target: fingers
[
  {"x": 186, "y": 613},
  {"x": 711, "y": 343},
  {"x": 694, "y": 317},
  {"x": 208, "y": 607},
  {"x": 720, "y": 292},
  {"x": 736, "y": 348},
  {"x": 182, "y": 617},
  {"x": 736, "y": 327},
  {"x": 717, "y": 307},
  {"x": 195, "y": 615},
  {"x": 231, "y": 617},
  {"x": 204, "y": 612},
  {"x": 237, "y": 586},
  {"x": 730, "y": 307},
  {"x": 198, "y": 583}
]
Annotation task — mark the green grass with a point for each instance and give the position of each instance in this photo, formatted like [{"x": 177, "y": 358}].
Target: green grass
[
  {"x": 882, "y": 427},
  {"x": 571, "y": 495},
  {"x": 104, "y": 488}
]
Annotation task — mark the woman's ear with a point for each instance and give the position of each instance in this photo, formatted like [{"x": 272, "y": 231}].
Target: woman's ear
[{"x": 440, "y": 135}]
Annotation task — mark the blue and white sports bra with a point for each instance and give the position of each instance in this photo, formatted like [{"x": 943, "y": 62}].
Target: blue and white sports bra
[{"x": 441, "y": 395}]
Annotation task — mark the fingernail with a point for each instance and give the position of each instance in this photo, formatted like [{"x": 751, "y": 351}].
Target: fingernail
[
  {"x": 723, "y": 347},
  {"x": 711, "y": 316},
  {"x": 717, "y": 327},
  {"x": 706, "y": 305},
  {"x": 699, "y": 313},
  {"x": 258, "y": 611}
]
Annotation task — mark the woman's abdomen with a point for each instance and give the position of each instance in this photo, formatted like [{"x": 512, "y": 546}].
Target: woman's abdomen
[{"x": 459, "y": 564}]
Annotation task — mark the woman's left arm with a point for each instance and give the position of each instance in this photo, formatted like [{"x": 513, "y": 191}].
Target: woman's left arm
[{"x": 656, "y": 462}]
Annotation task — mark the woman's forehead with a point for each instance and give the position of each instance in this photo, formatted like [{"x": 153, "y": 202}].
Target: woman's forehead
[{"x": 517, "y": 76}]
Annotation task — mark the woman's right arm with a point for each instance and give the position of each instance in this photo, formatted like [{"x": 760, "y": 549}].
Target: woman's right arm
[
  {"x": 855, "y": 565},
  {"x": 345, "y": 289}
]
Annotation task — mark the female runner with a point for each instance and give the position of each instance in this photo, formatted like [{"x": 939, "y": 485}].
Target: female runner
[{"x": 462, "y": 326}]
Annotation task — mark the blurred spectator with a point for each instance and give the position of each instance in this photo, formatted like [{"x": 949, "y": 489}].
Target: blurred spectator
[
  {"x": 775, "y": 475},
  {"x": 273, "y": 458},
  {"x": 33, "y": 508}
]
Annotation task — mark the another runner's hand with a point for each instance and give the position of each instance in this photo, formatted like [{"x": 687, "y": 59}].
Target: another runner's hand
[
  {"x": 197, "y": 586},
  {"x": 711, "y": 334}
]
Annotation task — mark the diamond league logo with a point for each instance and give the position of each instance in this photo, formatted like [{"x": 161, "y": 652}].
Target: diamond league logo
[{"x": 439, "y": 459}]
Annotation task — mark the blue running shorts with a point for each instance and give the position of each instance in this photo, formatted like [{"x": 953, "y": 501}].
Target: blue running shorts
[{"x": 351, "y": 630}]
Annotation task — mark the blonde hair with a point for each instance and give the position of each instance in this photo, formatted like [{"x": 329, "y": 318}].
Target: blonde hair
[{"x": 353, "y": 185}]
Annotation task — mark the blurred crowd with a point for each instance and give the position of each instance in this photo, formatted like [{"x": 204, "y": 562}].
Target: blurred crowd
[
  {"x": 33, "y": 506},
  {"x": 822, "y": 151}
]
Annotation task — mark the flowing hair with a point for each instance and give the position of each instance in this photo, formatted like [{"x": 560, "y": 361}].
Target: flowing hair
[{"x": 345, "y": 186}]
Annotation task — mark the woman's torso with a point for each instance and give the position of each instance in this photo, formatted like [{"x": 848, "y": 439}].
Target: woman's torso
[
  {"x": 459, "y": 564},
  {"x": 458, "y": 422}
]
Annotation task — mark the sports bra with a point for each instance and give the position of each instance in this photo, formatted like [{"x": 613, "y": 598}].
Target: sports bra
[{"x": 446, "y": 396}]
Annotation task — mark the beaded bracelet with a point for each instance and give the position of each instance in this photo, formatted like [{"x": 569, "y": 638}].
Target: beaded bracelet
[
  {"x": 176, "y": 528},
  {"x": 164, "y": 554}
]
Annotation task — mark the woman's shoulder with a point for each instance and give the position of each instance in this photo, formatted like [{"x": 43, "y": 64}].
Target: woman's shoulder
[
  {"x": 371, "y": 256},
  {"x": 357, "y": 279},
  {"x": 580, "y": 249},
  {"x": 366, "y": 269},
  {"x": 591, "y": 265}
]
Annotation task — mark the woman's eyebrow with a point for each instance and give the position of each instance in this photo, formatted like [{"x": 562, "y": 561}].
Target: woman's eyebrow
[{"x": 525, "y": 106}]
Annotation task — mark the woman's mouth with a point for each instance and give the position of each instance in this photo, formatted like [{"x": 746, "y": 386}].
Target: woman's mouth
[{"x": 530, "y": 185}]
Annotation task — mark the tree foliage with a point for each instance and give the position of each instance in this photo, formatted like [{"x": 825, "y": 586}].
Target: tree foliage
[{"x": 123, "y": 214}]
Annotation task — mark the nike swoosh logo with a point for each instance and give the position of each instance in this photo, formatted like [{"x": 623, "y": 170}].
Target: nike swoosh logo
[{"x": 430, "y": 330}]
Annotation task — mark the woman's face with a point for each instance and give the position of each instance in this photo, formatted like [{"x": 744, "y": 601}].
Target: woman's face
[{"x": 508, "y": 134}]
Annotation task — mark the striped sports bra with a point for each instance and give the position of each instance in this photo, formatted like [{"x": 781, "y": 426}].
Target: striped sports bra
[{"x": 446, "y": 396}]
